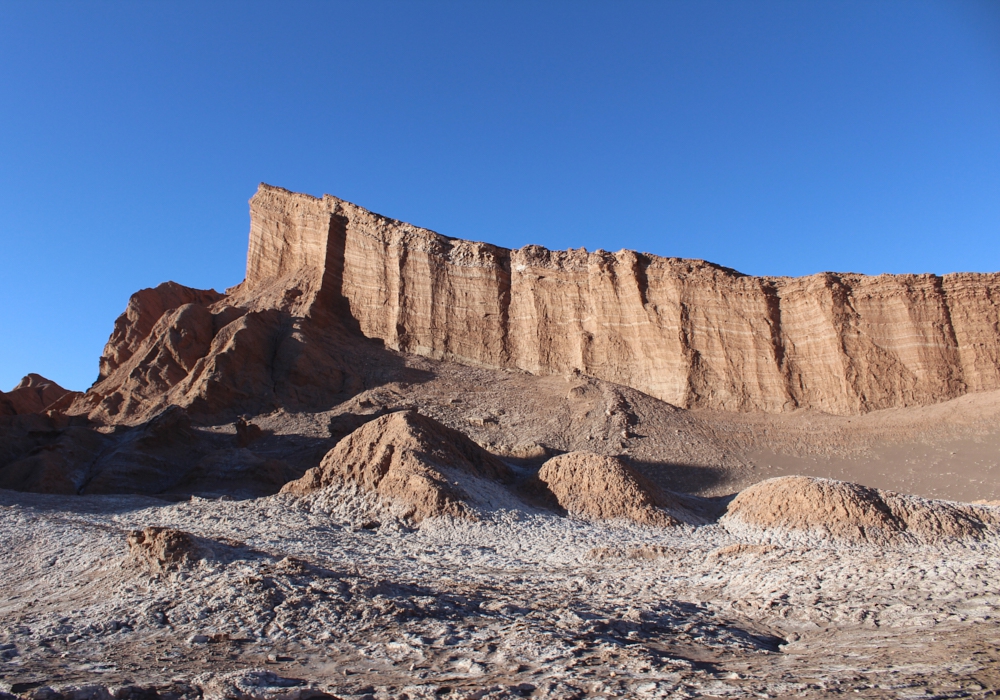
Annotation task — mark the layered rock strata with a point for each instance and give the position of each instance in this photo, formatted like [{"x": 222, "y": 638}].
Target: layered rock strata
[{"x": 688, "y": 332}]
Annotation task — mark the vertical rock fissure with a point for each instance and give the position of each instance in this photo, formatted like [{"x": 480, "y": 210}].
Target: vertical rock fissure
[
  {"x": 331, "y": 295},
  {"x": 956, "y": 371},
  {"x": 772, "y": 300},
  {"x": 400, "y": 330},
  {"x": 505, "y": 290}
]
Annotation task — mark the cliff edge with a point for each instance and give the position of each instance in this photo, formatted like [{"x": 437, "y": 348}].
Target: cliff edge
[{"x": 688, "y": 332}]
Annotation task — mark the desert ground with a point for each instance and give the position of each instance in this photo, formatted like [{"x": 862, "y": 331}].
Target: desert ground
[
  {"x": 338, "y": 592},
  {"x": 335, "y": 594}
]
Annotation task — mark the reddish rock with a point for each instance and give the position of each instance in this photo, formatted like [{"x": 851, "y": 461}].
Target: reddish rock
[
  {"x": 145, "y": 308},
  {"x": 35, "y": 394},
  {"x": 688, "y": 332}
]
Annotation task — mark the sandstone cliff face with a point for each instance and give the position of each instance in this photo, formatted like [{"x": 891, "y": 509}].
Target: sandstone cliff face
[{"x": 685, "y": 331}]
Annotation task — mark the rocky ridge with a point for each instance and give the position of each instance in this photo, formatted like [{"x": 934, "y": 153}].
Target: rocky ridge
[
  {"x": 323, "y": 274},
  {"x": 35, "y": 394}
]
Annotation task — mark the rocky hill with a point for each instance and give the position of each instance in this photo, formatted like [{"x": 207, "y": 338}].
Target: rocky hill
[{"x": 35, "y": 394}]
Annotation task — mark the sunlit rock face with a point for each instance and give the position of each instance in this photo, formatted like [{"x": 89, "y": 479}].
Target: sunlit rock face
[{"x": 685, "y": 331}]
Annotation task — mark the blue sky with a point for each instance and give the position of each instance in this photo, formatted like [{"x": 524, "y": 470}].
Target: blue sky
[{"x": 777, "y": 138}]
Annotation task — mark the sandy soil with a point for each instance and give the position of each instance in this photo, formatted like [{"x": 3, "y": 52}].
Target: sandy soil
[
  {"x": 964, "y": 469},
  {"x": 950, "y": 450}
]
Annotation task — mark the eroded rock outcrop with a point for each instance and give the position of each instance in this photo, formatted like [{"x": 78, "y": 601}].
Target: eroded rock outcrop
[
  {"x": 852, "y": 512},
  {"x": 605, "y": 488},
  {"x": 213, "y": 358},
  {"x": 145, "y": 308},
  {"x": 410, "y": 460},
  {"x": 35, "y": 394},
  {"x": 48, "y": 460},
  {"x": 158, "y": 550},
  {"x": 685, "y": 331}
]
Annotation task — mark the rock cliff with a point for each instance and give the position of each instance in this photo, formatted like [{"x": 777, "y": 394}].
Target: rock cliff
[{"x": 688, "y": 332}]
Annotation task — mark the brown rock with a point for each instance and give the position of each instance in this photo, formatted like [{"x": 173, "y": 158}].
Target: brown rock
[
  {"x": 603, "y": 488},
  {"x": 34, "y": 394},
  {"x": 851, "y": 512},
  {"x": 247, "y": 432},
  {"x": 145, "y": 308},
  {"x": 686, "y": 331},
  {"x": 150, "y": 458},
  {"x": 324, "y": 273},
  {"x": 236, "y": 472},
  {"x": 409, "y": 459},
  {"x": 160, "y": 550},
  {"x": 59, "y": 461},
  {"x": 216, "y": 361}
]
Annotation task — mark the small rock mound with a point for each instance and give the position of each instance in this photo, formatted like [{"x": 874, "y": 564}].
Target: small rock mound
[
  {"x": 161, "y": 549},
  {"x": 598, "y": 487},
  {"x": 409, "y": 459},
  {"x": 850, "y": 512}
]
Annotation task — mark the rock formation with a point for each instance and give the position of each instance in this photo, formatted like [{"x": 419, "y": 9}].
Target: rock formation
[
  {"x": 44, "y": 460},
  {"x": 324, "y": 273},
  {"x": 213, "y": 358},
  {"x": 165, "y": 455},
  {"x": 407, "y": 459},
  {"x": 853, "y": 512},
  {"x": 159, "y": 550},
  {"x": 605, "y": 488},
  {"x": 35, "y": 394},
  {"x": 685, "y": 331}
]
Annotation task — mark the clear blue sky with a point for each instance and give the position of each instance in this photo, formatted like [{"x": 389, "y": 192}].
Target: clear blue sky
[{"x": 778, "y": 138}]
